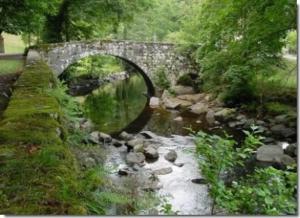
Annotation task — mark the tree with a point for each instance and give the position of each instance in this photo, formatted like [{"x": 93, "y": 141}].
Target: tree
[
  {"x": 233, "y": 40},
  {"x": 23, "y": 16},
  {"x": 88, "y": 19},
  {"x": 158, "y": 23}
]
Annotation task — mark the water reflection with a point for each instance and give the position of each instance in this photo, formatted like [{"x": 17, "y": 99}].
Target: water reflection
[{"x": 114, "y": 106}]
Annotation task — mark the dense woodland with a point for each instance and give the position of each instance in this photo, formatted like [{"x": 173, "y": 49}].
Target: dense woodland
[{"x": 238, "y": 47}]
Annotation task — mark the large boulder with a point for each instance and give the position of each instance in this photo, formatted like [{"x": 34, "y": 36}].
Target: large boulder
[
  {"x": 94, "y": 137},
  {"x": 171, "y": 156},
  {"x": 282, "y": 130},
  {"x": 225, "y": 113},
  {"x": 173, "y": 103},
  {"x": 269, "y": 153},
  {"x": 183, "y": 90},
  {"x": 126, "y": 136},
  {"x": 194, "y": 98},
  {"x": 199, "y": 108},
  {"x": 274, "y": 154},
  {"x": 135, "y": 158},
  {"x": 105, "y": 137},
  {"x": 151, "y": 152},
  {"x": 154, "y": 102}
]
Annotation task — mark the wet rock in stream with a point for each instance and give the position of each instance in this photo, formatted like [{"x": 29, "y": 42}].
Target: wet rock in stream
[
  {"x": 171, "y": 156},
  {"x": 162, "y": 176}
]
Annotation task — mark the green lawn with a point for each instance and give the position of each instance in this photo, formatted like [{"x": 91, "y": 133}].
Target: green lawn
[
  {"x": 10, "y": 66},
  {"x": 13, "y": 43}
]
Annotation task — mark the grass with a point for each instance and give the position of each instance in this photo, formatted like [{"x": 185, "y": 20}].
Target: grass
[
  {"x": 10, "y": 66},
  {"x": 13, "y": 43}
]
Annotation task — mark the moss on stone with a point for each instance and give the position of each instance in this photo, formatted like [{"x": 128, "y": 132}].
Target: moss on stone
[{"x": 38, "y": 172}]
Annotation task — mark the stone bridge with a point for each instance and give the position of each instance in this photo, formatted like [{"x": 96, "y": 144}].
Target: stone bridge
[{"x": 148, "y": 58}]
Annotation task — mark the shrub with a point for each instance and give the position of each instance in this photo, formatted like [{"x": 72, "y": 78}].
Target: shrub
[
  {"x": 265, "y": 192},
  {"x": 185, "y": 80},
  {"x": 238, "y": 87},
  {"x": 161, "y": 79}
]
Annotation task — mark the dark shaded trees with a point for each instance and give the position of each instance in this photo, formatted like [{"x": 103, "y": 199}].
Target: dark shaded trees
[
  {"x": 23, "y": 16},
  {"x": 89, "y": 19}
]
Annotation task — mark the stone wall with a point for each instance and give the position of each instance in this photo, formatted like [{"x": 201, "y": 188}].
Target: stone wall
[{"x": 149, "y": 57}]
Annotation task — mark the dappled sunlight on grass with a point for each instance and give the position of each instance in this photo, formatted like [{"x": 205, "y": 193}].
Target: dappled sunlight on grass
[
  {"x": 10, "y": 66},
  {"x": 13, "y": 43}
]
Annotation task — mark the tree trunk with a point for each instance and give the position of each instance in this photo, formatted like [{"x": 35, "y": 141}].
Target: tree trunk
[
  {"x": 2, "y": 50},
  {"x": 57, "y": 27}
]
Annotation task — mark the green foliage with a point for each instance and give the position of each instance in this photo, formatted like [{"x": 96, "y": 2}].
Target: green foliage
[
  {"x": 161, "y": 79},
  {"x": 98, "y": 66},
  {"x": 71, "y": 114},
  {"x": 291, "y": 42},
  {"x": 234, "y": 37},
  {"x": 265, "y": 192},
  {"x": 24, "y": 16},
  {"x": 185, "y": 80},
  {"x": 276, "y": 108},
  {"x": 89, "y": 19},
  {"x": 237, "y": 87},
  {"x": 268, "y": 191},
  {"x": 159, "y": 23}
]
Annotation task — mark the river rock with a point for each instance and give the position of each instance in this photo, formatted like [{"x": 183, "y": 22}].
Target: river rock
[
  {"x": 291, "y": 150},
  {"x": 194, "y": 98},
  {"x": 135, "y": 158},
  {"x": 89, "y": 162},
  {"x": 171, "y": 156},
  {"x": 183, "y": 90},
  {"x": 151, "y": 152},
  {"x": 173, "y": 103},
  {"x": 94, "y": 137},
  {"x": 179, "y": 164},
  {"x": 282, "y": 130},
  {"x": 117, "y": 143},
  {"x": 124, "y": 170},
  {"x": 135, "y": 142},
  {"x": 105, "y": 137},
  {"x": 269, "y": 153},
  {"x": 225, "y": 113},
  {"x": 87, "y": 125},
  {"x": 138, "y": 148},
  {"x": 163, "y": 171},
  {"x": 148, "y": 134},
  {"x": 154, "y": 102},
  {"x": 285, "y": 160},
  {"x": 210, "y": 117},
  {"x": 281, "y": 119},
  {"x": 199, "y": 181},
  {"x": 126, "y": 136},
  {"x": 199, "y": 108},
  {"x": 179, "y": 119}
]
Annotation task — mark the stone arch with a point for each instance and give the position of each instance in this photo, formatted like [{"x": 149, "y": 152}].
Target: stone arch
[{"x": 147, "y": 57}]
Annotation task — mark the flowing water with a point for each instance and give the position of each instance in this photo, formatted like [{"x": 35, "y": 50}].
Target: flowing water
[{"x": 123, "y": 105}]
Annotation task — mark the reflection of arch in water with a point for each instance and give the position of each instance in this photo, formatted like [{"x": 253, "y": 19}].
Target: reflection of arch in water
[
  {"x": 138, "y": 123},
  {"x": 148, "y": 82}
]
